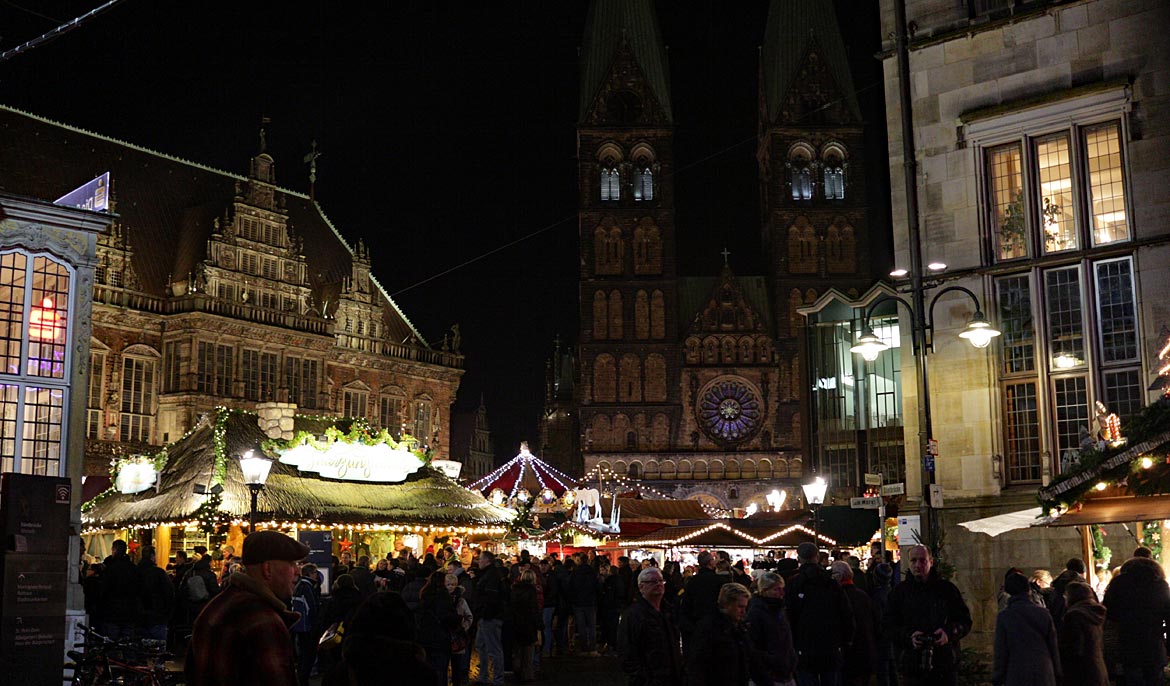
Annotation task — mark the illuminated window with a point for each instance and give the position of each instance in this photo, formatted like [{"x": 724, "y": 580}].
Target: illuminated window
[
  {"x": 138, "y": 391},
  {"x": 610, "y": 184},
  {"x": 390, "y": 412},
  {"x": 260, "y": 374},
  {"x": 1056, "y": 193},
  {"x": 300, "y": 376},
  {"x": 96, "y": 392},
  {"x": 34, "y": 362},
  {"x": 422, "y": 420},
  {"x": 644, "y": 184},
  {"x": 353, "y": 402}
]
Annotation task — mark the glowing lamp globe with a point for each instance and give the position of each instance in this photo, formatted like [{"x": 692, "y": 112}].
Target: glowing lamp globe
[{"x": 869, "y": 346}]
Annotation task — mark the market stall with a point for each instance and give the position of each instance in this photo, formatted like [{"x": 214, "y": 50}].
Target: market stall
[{"x": 325, "y": 474}]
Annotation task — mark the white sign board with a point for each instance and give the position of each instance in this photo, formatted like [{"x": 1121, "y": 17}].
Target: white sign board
[
  {"x": 865, "y": 503},
  {"x": 936, "y": 498},
  {"x": 354, "y": 461},
  {"x": 909, "y": 526},
  {"x": 873, "y": 479},
  {"x": 894, "y": 489},
  {"x": 449, "y": 467}
]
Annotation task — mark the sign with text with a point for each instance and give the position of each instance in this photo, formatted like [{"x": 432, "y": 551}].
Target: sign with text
[
  {"x": 94, "y": 195},
  {"x": 35, "y": 513},
  {"x": 872, "y": 503},
  {"x": 894, "y": 489},
  {"x": 873, "y": 479},
  {"x": 936, "y": 496},
  {"x": 909, "y": 530},
  {"x": 354, "y": 461}
]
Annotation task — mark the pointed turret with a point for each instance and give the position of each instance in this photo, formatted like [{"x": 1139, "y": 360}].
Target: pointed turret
[
  {"x": 805, "y": 69},
  {"x": 623, "y": 54}
]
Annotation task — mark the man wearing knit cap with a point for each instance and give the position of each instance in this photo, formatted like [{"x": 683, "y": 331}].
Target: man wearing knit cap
[{"x": 241, "y": 636}]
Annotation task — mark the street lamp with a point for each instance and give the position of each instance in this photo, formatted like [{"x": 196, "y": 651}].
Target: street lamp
[
  {"x": 978, "y": 333},
  {"x": 814, "y": 495},
  {"x": 255, "y": 469}
]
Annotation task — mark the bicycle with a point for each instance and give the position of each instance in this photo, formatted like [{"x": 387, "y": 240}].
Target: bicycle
[{"x": 104, "y": 661}]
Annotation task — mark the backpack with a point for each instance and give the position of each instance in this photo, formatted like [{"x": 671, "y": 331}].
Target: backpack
[
  {"x": 301, "y": 605},
  {"x": 196, "y": 588}
]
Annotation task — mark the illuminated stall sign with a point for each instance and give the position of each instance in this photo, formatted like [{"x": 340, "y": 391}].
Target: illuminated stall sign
[
  {"x": 354, "y": 461},
  {"x": 94, "y": 195}
]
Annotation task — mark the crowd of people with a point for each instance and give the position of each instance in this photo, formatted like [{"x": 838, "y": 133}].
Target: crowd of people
[
  {"x": 814, "y": 620},
  {"x": 1060, "y": 631}
]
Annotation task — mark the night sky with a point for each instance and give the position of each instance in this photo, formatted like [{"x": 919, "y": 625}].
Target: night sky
[{"x": 447, "y": 133}]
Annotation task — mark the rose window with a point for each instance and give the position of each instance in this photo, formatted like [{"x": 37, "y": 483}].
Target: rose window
[{"x": 729, "y": 411}]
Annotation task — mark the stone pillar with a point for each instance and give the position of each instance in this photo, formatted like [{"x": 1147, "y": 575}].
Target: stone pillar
[{"x": 276, "y": 419}]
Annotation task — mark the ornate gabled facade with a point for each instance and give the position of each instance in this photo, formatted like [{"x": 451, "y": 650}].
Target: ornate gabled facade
[
  {"x": 698, "y": 381},
  {"x": 217, "y": 289}
]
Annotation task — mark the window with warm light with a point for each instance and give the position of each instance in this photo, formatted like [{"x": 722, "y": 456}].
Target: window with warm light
[
  {"x": 35, "y": 296},
  {"x": 1056, "y": 192}
]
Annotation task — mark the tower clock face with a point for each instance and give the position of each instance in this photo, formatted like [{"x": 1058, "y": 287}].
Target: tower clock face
[
  {"x": 729, "y": 410},
  {"x": 623, "y": 107}
]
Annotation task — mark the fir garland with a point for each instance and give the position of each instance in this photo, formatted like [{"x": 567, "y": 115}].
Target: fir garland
[
  {"x": 359, "y": 432},
  {"x": 1100, "y": 550},
  {"x": 1152, "y": 538},
  {"x": 209, "y": 516}
]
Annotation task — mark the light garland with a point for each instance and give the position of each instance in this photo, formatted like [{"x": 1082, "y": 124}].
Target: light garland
[
  {"x": 596, "y": 471},
  {"x": 760, "y": 542},
  {"x": 526, "y": 460},
  {"x": 318, "y": 526}
]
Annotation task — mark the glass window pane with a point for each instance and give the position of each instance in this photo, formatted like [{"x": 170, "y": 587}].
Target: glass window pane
[
  {"x": 1053, "y": 161},
  {"x": 1106, "y": 184},
  {"x": 1021, "y": 435},
  {"x": 1018, "y": 342},
  {"x": 13, "y": 274},
  {"x": 44, "y": 418},
  {"x": 1005, "y": 189},
  {"x": 48, "y": 320},
  {"x": 1071, "y": 404},
  {"x": 1066, "y": 333},
  {"x": 1118, "y": 311},
  {"x": 1123, "y": 392},
  {"x": 9, "y": 397}
]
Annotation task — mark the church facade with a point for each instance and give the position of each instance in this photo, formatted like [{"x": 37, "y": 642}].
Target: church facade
[
  {"x": 219, "y": 289},
  {"x": 695, "y": 383}
]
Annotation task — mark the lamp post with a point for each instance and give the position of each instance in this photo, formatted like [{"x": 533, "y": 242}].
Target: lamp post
[
  {"x": 814, "y": 495},
  {"x": 978, "y": 333},
  {"x": 255, "y": 469}
]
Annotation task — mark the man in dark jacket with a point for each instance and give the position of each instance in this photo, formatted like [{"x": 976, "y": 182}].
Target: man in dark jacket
[
  {"x": 307, "y": 603},
  {"x": 1074, "y": 570},
  {"x": 120, "y": 594},
  {"x": 157, "y": 597},
  {"x": 861, "y": 653},
  {"x": 1139, "y": 599},
  {"x": 927, "y": 612},
  {"x": 822, "y": 619},
  {"x": 1026, "y": 649},
  {"x": 491, "y": 604},
  {"x": 700, "y": 595},
  {"x": 647, "y": 639},
  {"x": 584, "y": 589},
  {"x": 242, "y": 636},
  {"x": 363, "y": 578}
]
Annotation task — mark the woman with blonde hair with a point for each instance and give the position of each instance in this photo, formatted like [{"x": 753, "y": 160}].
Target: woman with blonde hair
[{"x": 769, "y": 632}]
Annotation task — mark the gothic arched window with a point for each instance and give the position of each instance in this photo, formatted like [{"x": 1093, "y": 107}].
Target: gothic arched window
[
  {"x": 615, "y": 315},
  {"x": 600, "y": 317},
  {"x": 604, "y": 379},
  {"x": 610, "y": 184},
  {"x": 833, "y": 158},
  {"x": 800, "y": 173},
  {"x": 630, "y": 380},
  {"x": 657, "y": 315}
]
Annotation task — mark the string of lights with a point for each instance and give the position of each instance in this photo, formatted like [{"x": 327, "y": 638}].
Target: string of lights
[
  {"x": 640, "y": 486},
  {"x": 759, "y": 542}
]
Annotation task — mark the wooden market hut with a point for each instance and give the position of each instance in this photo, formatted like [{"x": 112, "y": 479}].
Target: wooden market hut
[{"x": 200, "y": 483}]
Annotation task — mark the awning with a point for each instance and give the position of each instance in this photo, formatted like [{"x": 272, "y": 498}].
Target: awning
[
  {"x": 1117, "y": 510},
  {"x": 1010, "y": 521}
]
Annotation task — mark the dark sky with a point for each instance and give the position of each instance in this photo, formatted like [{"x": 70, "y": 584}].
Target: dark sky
[{"x": 447, "y": 132}]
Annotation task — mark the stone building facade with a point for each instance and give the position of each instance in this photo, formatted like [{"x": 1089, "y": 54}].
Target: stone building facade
[
  {"x": 695, "y": 381},
  {"x": 214, "y": 288},
  {"x": 1042, "y": 135}
]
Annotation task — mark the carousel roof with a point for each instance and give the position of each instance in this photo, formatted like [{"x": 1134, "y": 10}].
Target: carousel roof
[
  {"x": 427, "y": 497},
  {"x": 525, "y": 471}
]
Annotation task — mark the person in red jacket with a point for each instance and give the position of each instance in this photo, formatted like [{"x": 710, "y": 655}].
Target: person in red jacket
[{"x": 242, "y": 635}]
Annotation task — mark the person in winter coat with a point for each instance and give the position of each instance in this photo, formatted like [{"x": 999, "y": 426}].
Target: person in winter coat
[
  {"x": 526, "y": 624},
  {"x": 861, "y": 653},
  {"x": 379, "y": 647},
  {"x": 1074, "y": 570},
  {"x": 344, "y": 599},
  {"x": 648, "y": 638},
  {"x": 437, "y": 622},
  {"x": 120, "y": 599},
  {"x": 886, "y": 666},
  {"x": 822, "y": 620},
  {"x": 1026, "y": 652},
  {"x": 1139, "y": 600},
  {"x": 1081, "y": 637},
  {"x": 769, "y": 632},
  {"x": 363, "y": 578},
  {"x": 927, "y": 612},
  {"x": 460, "y": 659},
  {"x": 613, "y": 595},
  {"x": 157, "y": 601},
  {"x": 720, "y": 653},
  {"x": 584, "y": 589},
  {"x": 490, "y": 605},
  {"x": 700, "y": 595}
]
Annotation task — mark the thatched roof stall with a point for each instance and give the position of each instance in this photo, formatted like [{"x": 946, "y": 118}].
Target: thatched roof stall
[{"x": 194, "y": 469}]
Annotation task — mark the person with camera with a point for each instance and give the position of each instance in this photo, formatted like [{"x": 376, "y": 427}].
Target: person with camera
[{"x": 926, "y": 617}]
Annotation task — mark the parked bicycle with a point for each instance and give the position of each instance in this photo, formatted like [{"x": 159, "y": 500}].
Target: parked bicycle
[{"x": 104, "y": 661}]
